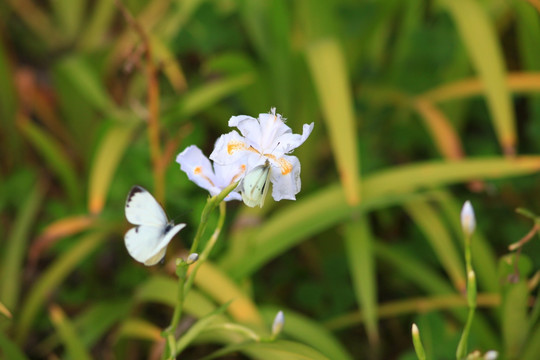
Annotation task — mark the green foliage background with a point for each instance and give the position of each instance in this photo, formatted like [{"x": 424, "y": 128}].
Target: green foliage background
[{"x": 418, "y": 106}]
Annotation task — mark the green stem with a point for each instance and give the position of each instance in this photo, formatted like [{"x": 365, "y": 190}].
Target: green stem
[
  {"x": 461, "y": 352},
  {"x": 210, "y": 205},
  {"x": 208, "y": 248},
  {"x": 182, "y": 267},
  {"x": 237, "y": 328}
]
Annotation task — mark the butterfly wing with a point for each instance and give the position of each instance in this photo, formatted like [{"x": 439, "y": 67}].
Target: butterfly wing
[
  {"x": 147, "y": 244},
  {"x": 143, "y": 209}
]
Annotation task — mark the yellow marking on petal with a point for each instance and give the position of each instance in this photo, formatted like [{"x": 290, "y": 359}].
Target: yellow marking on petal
[
  {"x": 286, "y": 167},
  {"x": 237, "y": 176},
  {"x": 198, "y": 171},
  {"x": 234, "y": 146},
  {"x": 271, "y": 156}
]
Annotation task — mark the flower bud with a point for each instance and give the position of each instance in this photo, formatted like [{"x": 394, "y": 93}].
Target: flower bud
[
  {"x": 193, "y": 257},
  {"x": 491, "y": 355},
  {"x": 278, "y": 323},
  {"x": 468, "y": 221}
]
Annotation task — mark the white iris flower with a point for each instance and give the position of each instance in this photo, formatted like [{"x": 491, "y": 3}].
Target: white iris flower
[
  {"x": 214, "y": 179},
  {"x": 265, "y": 140}
]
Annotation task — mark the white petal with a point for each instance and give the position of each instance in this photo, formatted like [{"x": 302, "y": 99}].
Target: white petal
[
  {"x": 286, "y": 179},
  {"x": 249, "y": 128},
  {"x": 230, "y": 148},
  {"x": 288, "y": 142},
  {"x": 198, "y": 168},
  {"x": 272, "y": 129},
  {"x": 226, "y": 175}
]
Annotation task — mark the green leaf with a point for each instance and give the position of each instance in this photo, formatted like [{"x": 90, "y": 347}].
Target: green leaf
[
  {"x": 93, "y": 323},
  {"x": 54, "y": 155},
  {"x": 138, "y": 329},
  {"x": 277, "y": 350},
  {"x": 9, "y": 349},
  {"x": 162, "y": 290},
  {"x": 308, "y": 331},
  {"x": 198, "y": 327},
  {"x": 429, "y": 221},
  {"x": 68, "y": 335},
  {"x": 108, "y": 155},
  {"x": 480, "y": 39},
  {"x": 361, "y": 257},
  {"x": 202, "y": 97},
  {"x": 86, "y": 81},
  {"x": 328, "y": 68},
  {"x": 514, "y": 322},
  {"x": 326, "y": 208},
  {"x": 15, "y": 248},
  {"x": 69, "y": 14},
  {"x": 95, "y": 30},
  {"x": 52, "y": 278}
]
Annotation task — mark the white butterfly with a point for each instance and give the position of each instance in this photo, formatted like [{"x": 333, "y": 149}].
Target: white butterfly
[
  {"x": 147, "y": 242},
  {"x": 255, "y": 185}
]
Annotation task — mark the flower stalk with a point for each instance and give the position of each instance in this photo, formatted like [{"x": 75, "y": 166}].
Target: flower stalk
[
  {"x": 468, "y": 223},
  {"x": 185, "y": 281}
]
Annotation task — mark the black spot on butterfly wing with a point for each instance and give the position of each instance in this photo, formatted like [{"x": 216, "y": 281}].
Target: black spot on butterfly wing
[{"x": 134, "y": 190}]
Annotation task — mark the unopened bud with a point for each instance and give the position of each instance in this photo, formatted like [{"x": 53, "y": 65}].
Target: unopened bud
[
  {"x": 491, "y": 355},
  {"x": 278, "y": 323},
  {"x": 417, "y": 342},
  {"x": 193, "y": 257},
  {"x": 468, "y": 221}
]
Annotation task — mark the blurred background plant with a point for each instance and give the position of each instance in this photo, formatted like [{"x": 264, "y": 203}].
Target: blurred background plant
[{"x": 418, "y": 106}]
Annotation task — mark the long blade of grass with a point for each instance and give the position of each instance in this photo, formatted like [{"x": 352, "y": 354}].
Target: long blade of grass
[
  {"x": 309, "y": 332},
  {"x": 435, "y": 231},
  {"x": 442, "y": 132},
  {"x": 14, "y": 251},
  {"x": 86, "y": 81},
  {"x": 161, "y": 289},
  {"x": 200, "y": 98},
  {"x": 327, "y": 65},
  {"x": 53, "y": 155},
  {"x": 108, "y": 155},
  {"x": 9, "y": 349},
  {"x": 72, "y": 342},
  {"x": 37, "y": 20},
  {"x": 517, "y": 82},
  {"x": 67, "y": 226},
  {"x": 217, "y": 284},
  {"x": 514, "y": 321},
  {"x": 480, "y": 39},
  {"x": 277, "y": 350},
  {"x": 92, "y": 324},
  {"x": 198, "y": 327},
  {"x": 426, "y": 278},
  {"x": 361, "y": 258},
  {"x": 392, "y": 309},
  {"x": 7, "y": 95},
  {"x": 134, "y": 328},
  {"x": 532, "y": 347},
  {"x": 50, "y": 280},
  {"x": 94, "y": 31},
  {"x": 69, "y": 15},
  {"x": 388, "y": 187}
]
